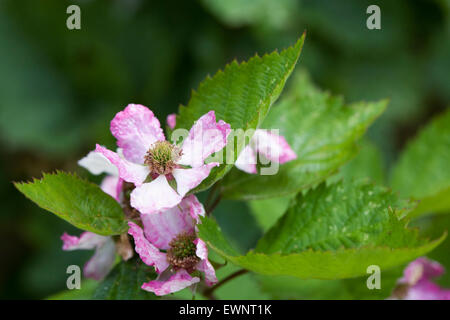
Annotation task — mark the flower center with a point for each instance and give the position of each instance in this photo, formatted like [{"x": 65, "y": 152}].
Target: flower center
[
  {"x": 181, "y": 253},
  {"x": 162, "y": 157}
]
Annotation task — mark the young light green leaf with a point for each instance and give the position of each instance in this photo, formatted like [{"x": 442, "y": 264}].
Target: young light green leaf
[
  {"x": 423, "y": 169},
  {"x": 124, "y": 282},
  {"x": 77, "y": 201},
  {"x": 331, "y": 232},
  {"x": 240, "y": 95},
  {"x": 320, "y": 129},
  {"x": 368, "y": 164}
]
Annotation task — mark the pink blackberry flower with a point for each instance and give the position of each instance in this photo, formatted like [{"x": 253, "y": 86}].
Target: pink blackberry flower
[
  {"x": 154, "y": 165},
  {"x": 169, "y": 243},
  {"x": 271, "y": 146},
  {"x": 416, "y": 283}
]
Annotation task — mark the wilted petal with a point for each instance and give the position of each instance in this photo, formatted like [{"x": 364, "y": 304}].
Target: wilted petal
[
  {"x": 161, "y": 227},
  {"x": 149, "y": 254},
  {"x": 180, "y": 280},
  {"x": 172, "y": 120},
  {"x": 86, "y": 241},
  {"x": 101, "y": 262},
  {"x": 188, "y": 179},
  {"x": 247, "y": 160},
  {"x": 154, "y": 196},
  {"x": 128, "y": 171},
  {"x": 205, "y": 137},
  {"x": 204, "y": 265},
  {"x": 136, "y": 128},
  {"x": 112, "y": 185},
  {"x": 96, "y": 163}
]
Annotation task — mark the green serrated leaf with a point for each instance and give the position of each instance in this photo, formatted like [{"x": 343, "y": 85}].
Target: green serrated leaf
[
  {"x": 240, "y": 95},
  {"x": 77, "y": 201},
  {"x": 422, "y": 171},
  {"x": 320, "y": 129},
  {"x": 331, "y": 232},
  {"x": 342, "y": 215},
  {"x": 124, "y": 282}
]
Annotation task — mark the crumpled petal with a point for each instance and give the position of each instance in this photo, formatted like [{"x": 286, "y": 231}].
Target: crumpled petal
[
  {"x": 188, "y": 179},
  {"x": 86, "y": 241},
  {"x": 149, "y": 254},
  {"x": 96, "y": 163},
  {"x": 205, "y": 137},
  {"x": 112, "y": 185},
  {"x": 172, "y": 120},
  {"x": 154, "y": 196},
  {"x": 128, "y": 171},
  {"x": 194, "y": 206},
  {"x": 272, "y": 146},
  {"x": 247, "y": 160},
  {"x": 204, "y": 265},
  {"x": 136, "y": 128},
  {"x": 180, "y": 280},
  {"x": 101, "y": 262}
]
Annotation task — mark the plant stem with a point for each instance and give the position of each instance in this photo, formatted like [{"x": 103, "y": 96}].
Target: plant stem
[
  {"x": 211, "y": 208},
  {"x": 214, "y": 198},
  {"x": 208, "y": 293}
]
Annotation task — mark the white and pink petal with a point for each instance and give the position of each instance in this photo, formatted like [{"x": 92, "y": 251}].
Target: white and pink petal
[
  {"x": 247, "y": 160},
  {"x": 96, "y": 163},
  {"x": 154, "y": 196},
  {"x": 136, "y": 128},
  {"x": 204, "y": 265},
  {"x": 194, "y": 206},
  {"x": 188, "y": 179},
  {"x": 180, "y": 280},
  {"x": 101, "y": 262},
  {"x": 171, "y": 120},
  {"x": 148, "y": 253},
  {"x": 112, "y": 185},
  {"x": 205, "y": 137},
  {"x": 128, "y": 171},
  {"x": 162, "y": 227},
  {"x": 272, "y": 146},
  {"x": 86, "y": 241}
]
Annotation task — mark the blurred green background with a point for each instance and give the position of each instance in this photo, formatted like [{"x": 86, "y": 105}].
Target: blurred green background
[{"x": 59, "y": 89}]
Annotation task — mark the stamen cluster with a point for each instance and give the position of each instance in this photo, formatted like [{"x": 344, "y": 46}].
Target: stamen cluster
[
  {"x": 162, "y": 157},
  {"x": 181, "y": 254}
]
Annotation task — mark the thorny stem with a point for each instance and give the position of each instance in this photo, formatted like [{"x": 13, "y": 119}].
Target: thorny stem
[{"x": 208, "y": 293}]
